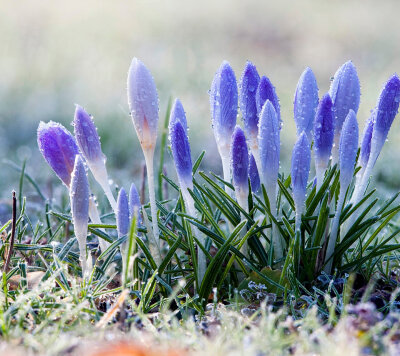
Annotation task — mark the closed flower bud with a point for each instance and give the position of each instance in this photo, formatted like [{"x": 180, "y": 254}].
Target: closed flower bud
[
  {"x": 323, "y": 136},
  {"x": 348, "y": 149},
  {"x": 79, "y": 196},
  {"x": 305, "y": 103},
  {"x": 134, "y": 204},
  {"x": 181, "y": 151},
  {"x": 240, "y": 163},
  {"x": 266, "y": 91},
  {"x": 254, "y": 175},
  {"x": 269, "y": 145},
  {"x": 365, "y": 149},
  {"x": 87, "y": 137},
  {"x": 224, "y": 106},
  {"x": 178, "y": 114},
  {"x": 247, "y": 101},
  {"x": 123, "y": 219},
  {"x": 301, "y": 158},
  {"x": 58, "y": 148},
  {"x": 143, "y": 104},
  {"x": 345, "y": 95}
]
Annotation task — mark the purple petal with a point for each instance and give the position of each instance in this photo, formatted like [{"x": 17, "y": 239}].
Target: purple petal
[
  {"x": 247, "y": 99},
  {"x": 239, "y": 160},
  {"x": 224, "y": 103},
  {"x": 143, "y": 103},
  {"x": 178, "y": 114},
  {"x": 79, "y": 194},
  {"x": 305, "y": 102},
  {"x": 266, "y": 91},
  {"x": 86, "y": 136},
  {"x": 365, "y": 149},
  {"x": 123, "y": 220},
  {"x": 58, "y": 148},
  {"x": 253, "y": 175}
]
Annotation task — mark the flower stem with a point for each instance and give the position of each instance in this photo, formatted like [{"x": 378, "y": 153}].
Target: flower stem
[{"x": 95, "y": 218}]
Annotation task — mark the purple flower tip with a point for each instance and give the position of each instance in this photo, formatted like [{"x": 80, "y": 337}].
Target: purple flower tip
[
  {"x": 301, "y": 159},
  {"x": 143, "y": 103},
  {"x": 266, "y": 91},
  {"x": 239, "y": 161},
  {"x": 178, "y": 114},
  {"x": 181, "y": 153},
  {"x": 224, "y": 103},
  {"x": 254, "y": 175},
  {"x": 323, "y": 131},
  {"x": 134, "y": 203},
  {"x": 348, "y": 149},
  {"x": 86, "y": 136},
  {"x": 269, "y": 145},
  {"x": 345, "y": 93},
  {"x": 123, "y": 220},
  {"x": 247, "y": 98},
  {"x": 305, "y": 102},
  {"x": 58, "y": 148},
  {"x": 79, "y": 194}
]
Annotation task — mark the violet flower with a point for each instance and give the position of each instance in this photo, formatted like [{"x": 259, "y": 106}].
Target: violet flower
[
  {"x": 224, "y": 106},
  {"x": 266, "y": 91},
  {"x": 345, "y": 95},
  {"x": 254, "y": 175},
  {"x": 58, "y": 148},
  {"x": 305, "y": 103},
  {"x": 323, "y": 137},
  {"x": 347, "y": 158},
  {"x": 122, "y": 214},
  {"x": 247, "y": 102},
  {"x": 143, "y": 104},
  {"x": 79, "y": 196},
  {"x": 89, "y": 144},
  {"x": 269, "y": 145},
  {"x": 301, "y": 159}
]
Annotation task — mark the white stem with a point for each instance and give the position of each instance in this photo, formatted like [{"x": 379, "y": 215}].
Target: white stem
[
  {"x": 148, "y": 156},
  {"x": 201, "y": 257},
  {"x": 100, "y": 174},
  {"x": 276, "y": 241},
  {"x": 81, "y": 236},
  {"x": 226, "y": 167},
  {"x": 334, "y": 232},
  {"x": 297, "y": 223},
  {"x": 335, "y": 149},
  {"x": 242, "y": 200},
  {"x": 95, "y": 218}
]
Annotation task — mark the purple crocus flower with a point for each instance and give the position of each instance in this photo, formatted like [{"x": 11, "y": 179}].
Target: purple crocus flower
[
  {"x": 254, "y": 175},
  {"x": 58, "y": 148},
  {"x": 240, "y": 164},
  {"x": 269, "y": 144},
  {"x": 224, "y": 105},
  {"x": 178, "y": 114},
  {"x": 89, "y": 144},
  {"x": 143, "y": 103},
  {"x": 323, "y": 136},
  {"x": 345, "y": 94},
  {"x": 347, "y": 158},
  {"x": 247, "y": 102},
  {"x": 79, "y": 196},
  {"x": 180, "y": 148},
  {"x": 123, "y": 218},
  {"x": 365, "y": 149},
  {"x": 301, "y": 159},
  {"x": 266, "y": 91},
  {"x": 305, "y": 102},
  {"x": 134, "y": 203}
]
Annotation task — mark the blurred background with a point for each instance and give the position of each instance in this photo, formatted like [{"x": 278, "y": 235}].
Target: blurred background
[{"x": 54, "y": 54}]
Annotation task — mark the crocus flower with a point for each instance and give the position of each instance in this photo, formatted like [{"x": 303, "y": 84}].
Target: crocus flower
[
  {"x": 345, "y": 95},
  {"x": 365, "y": 149},
  {"x": 180, "y": 148},
  {"x": 123, "y": 216},
  {"x": 247, "y": 102},
  {"x": 301, "y": 159},
  {"x": 266, "y": 91},
  {"x": 384, "y": 114},
  {"x": 143, "y": 104},
  {"x": 240, "y": 165},
  {"x": 89, "y": 144},
  {"x": 254, "y": 175},
  {"x": 79, "y": 196},
  {"x": 305, "y": 102},
  {"x": 269, "y": 144},
  {"x": 347, "y": 158},
  {"x": 240, "y": 171},
  {"x": 224, "y": 105},
  {"x": 58, "y": 148},
  {"x": 323, "y": 137},
  {"x": 134, "y": 204}
]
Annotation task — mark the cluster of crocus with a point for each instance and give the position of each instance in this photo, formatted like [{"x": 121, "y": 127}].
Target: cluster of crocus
[{"x": 249, "y": 155}]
